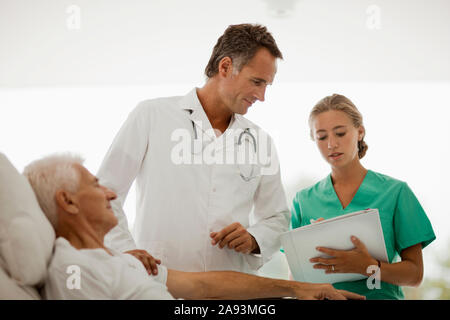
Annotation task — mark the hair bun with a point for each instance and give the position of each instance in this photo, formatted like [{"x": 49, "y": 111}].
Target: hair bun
[{"x": 362, "y": 148}]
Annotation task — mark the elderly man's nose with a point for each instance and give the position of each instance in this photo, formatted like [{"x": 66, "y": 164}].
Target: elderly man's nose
[{"x": 111, "y": 195}]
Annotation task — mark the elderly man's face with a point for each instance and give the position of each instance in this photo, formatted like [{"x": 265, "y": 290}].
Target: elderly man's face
[
  {"x": 241, "y": 90},
  {"x": 93, "y": 201}
]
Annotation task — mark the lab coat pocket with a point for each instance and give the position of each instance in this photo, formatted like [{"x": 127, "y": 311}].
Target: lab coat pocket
[{"x": 248, "y": 176}]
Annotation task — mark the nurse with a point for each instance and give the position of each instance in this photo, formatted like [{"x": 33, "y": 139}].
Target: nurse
[{"x": 337, "y": 128}]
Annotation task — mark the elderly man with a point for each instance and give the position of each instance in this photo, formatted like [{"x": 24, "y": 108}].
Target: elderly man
[{"x": 79, "y": 209}]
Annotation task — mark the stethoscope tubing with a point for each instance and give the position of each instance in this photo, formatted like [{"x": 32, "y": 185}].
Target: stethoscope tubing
[{"x": 246, "y": 131}]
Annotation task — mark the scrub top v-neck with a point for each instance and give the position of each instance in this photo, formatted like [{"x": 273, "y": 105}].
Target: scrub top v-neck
[
  {"x": 403, "y": 219},
  {"x": 361, "y": 187}
]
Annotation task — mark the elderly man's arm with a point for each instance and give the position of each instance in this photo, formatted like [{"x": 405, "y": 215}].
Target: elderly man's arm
[{"x": 236, "y": 285}]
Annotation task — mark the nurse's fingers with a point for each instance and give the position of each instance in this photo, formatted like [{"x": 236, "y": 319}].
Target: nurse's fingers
[
  {"x": 328, "y": 251},
  {"x": 358, "y": 243},
  {"x": 326, "y": 267},
  {"x": 326, "y": 261},
  {"x": 315, "y": 221}
]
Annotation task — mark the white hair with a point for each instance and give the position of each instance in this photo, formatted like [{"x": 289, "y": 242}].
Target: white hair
[{"x": 50, "y": 174}]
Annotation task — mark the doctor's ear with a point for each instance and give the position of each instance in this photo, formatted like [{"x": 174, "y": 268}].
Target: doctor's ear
[
  {"x": 65, "y": 201},
  {"x": 225, "y": 66}
]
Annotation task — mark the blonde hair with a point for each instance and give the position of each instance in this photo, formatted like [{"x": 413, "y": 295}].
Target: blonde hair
[
  {"x": 339, "y": 102},
  {"x": 48, "y": 175}
]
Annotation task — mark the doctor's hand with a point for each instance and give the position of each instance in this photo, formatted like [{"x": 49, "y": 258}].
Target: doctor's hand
[
  {"x": 147, "y": 260},
  {"x": 236, "y": 237},
  {"x": 355, "y": 260}
]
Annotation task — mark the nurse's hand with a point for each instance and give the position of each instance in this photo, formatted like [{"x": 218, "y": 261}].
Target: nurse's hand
[
  {"x": 236, "y": 237},
  {"x": 147, "y": 260},
  {"x": 318, "y": 220},
  {"x": 345, "y": 261}
]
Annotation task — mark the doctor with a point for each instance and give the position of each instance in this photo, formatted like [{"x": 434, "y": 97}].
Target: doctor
[{"x": 194, "y": 198}]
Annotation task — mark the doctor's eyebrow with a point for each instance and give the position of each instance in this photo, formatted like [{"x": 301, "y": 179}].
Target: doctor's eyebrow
[{"x": 260, "y": 80}]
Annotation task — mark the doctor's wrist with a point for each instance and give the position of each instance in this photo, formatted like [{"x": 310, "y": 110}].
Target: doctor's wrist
[{"x": 255, "y": 247}]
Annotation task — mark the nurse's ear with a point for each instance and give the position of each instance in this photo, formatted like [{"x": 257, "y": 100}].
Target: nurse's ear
[{"x": 361, "y": 132}]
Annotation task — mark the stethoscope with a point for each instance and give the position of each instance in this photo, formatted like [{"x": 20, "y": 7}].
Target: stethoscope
[{"x": 247, "y": 132}]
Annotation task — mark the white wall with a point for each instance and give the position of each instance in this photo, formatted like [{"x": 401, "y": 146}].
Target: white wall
[
  {"x": 406, "y": 126},
  {"x": 129, "y": 42}
]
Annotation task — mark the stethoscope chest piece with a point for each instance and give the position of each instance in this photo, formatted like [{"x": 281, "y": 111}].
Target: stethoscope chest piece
[{"x": 247, "y": 156}]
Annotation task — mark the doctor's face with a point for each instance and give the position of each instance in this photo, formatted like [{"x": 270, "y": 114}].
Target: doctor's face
[
  {"x": 93, "y": 201},
  {"x": 336, "y": 137},
  {"x": 241, "y": 90}
]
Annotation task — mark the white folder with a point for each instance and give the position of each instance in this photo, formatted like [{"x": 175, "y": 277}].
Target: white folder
[{"x": 300, "y": 244}]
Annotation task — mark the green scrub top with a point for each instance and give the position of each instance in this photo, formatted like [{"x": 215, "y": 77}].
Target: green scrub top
[{"x": 403, "y": 220}]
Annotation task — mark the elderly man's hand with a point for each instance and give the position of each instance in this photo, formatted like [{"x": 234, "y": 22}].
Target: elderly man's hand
[
  {"x": 147, "y": 260},
  {"x": 322, "y": 291},
  {"x": 236, "y": 237}
]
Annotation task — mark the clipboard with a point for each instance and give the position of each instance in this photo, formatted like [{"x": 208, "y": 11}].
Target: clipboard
[{"x": 300, "y": 244}]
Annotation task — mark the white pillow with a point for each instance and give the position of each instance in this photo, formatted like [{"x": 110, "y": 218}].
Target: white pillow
[
  {"x": 26, "y": 236},
  {"x": 9, "y": 290}
]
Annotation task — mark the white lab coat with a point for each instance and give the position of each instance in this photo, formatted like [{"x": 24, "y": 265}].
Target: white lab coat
[{"x": 178, "y": 205}]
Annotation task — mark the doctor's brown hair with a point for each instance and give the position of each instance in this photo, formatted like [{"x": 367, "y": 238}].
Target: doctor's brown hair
[
  {"x": 339, "y": 102},
  {"x": 240, "y": 42}
]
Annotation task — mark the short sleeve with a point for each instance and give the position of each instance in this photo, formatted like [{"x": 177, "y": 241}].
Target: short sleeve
[
  {"x": 296, "y": 218},
  {"x": 411, "y": 224}
]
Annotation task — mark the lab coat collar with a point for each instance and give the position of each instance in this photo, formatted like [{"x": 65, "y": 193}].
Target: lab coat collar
[
  {"x": 194, "y": 109},
  {"x": 191, "y": 103}
]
